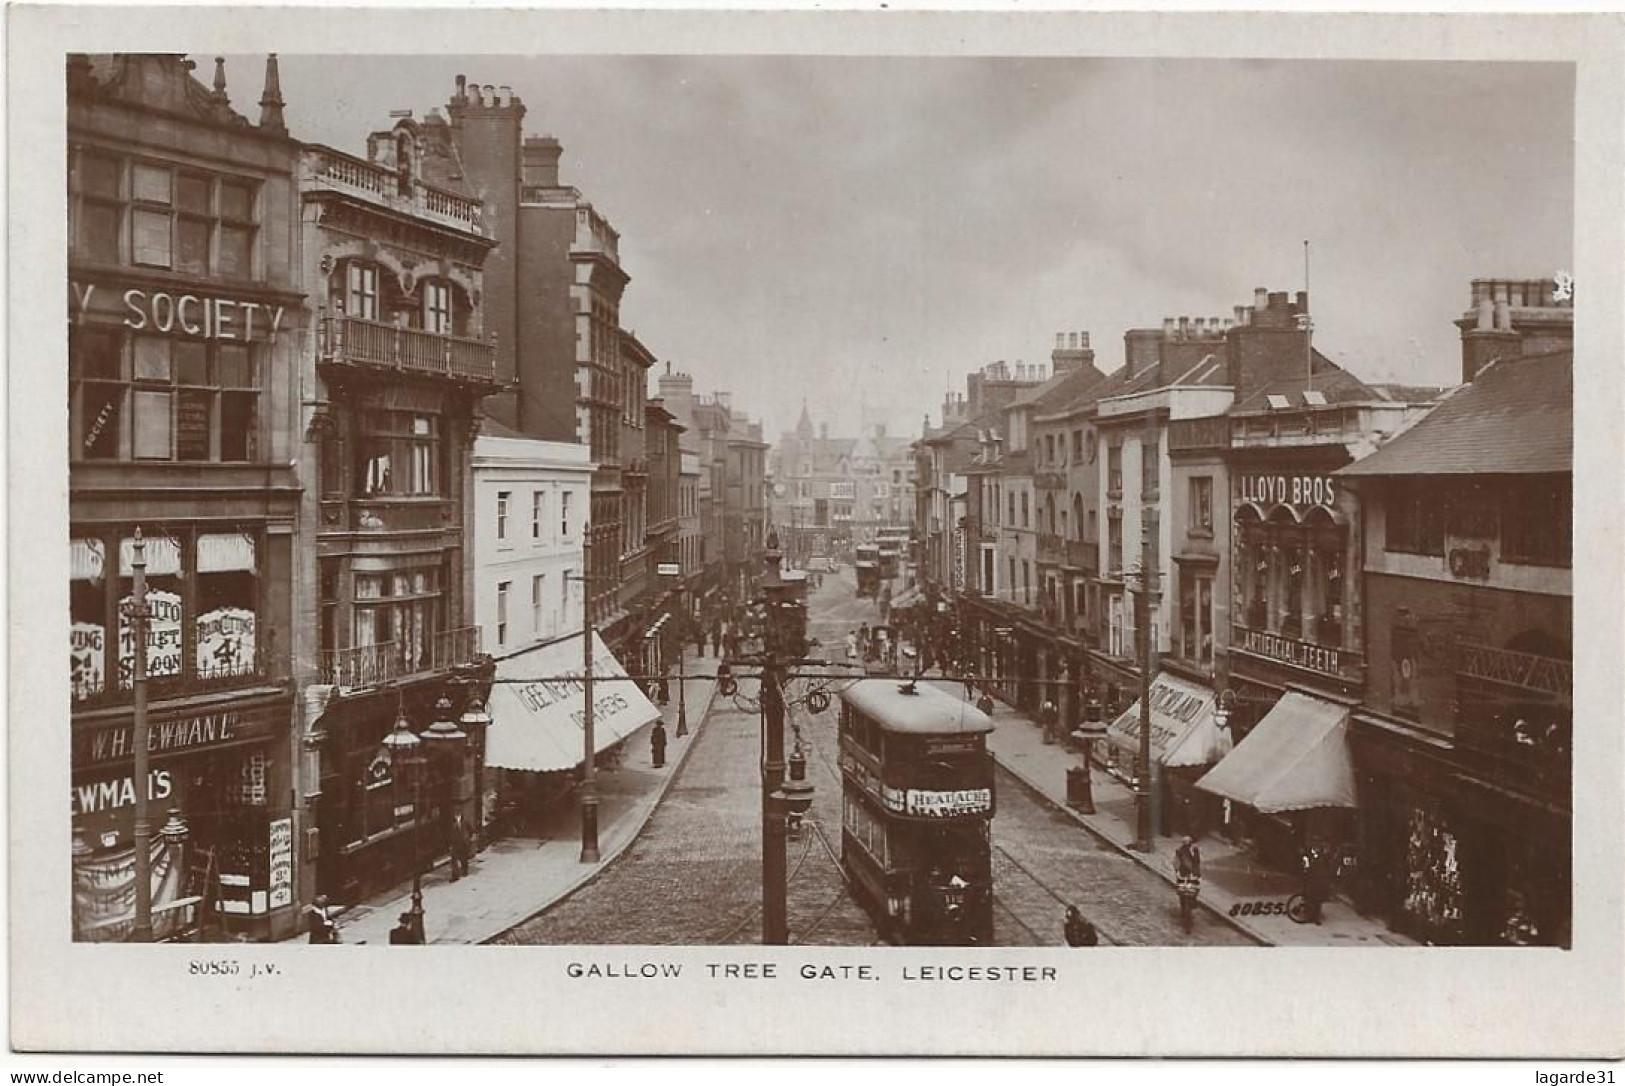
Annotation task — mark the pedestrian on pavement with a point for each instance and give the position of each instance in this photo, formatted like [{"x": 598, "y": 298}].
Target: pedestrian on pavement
[
  {"x": 1078, "y": 931},
  {"x": 461, "y": 847},
  {"x": 1317, "y": 879},
  {"x": 322, "y": 928},
  {"x": 716, "y": 637},
  {"x": 1188, "y": 879},
  {"x": 985, "y": 703},
  {"x": 657, "y": 744},
  {"x": 664, "y": 689},
  {"x": 402, "y": 933},
  {"x": 851, "y": 644},
  {"x": 1047, "y": 716},
  {"x": 699, "y": 641}
]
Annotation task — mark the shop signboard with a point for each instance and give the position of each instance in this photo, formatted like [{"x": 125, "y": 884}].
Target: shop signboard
[
  {"x": 281, "y": 862},
  {"x": 925, "y": 803},
  {"x": 86, "y": 654},
  {"x": 170, "y": 734},
  {"x": 203, "y": 316},
  {"x": 225, "y": 642},
  {"x": 1300, "y": 493},
  {"x": 1322, "y": 659},
  {"x": 163, "y": 636}
]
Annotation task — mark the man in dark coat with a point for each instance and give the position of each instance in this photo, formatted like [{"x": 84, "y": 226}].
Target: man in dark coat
[
  {"x": 402, "y": 933},
  {"x": 1078, "y": 931},
  {"x": 657, "y": 744},
  {"x": 322, "y": 928},
  {"x": 461, "y": 847},
  {"x": 716, "y": 637}
]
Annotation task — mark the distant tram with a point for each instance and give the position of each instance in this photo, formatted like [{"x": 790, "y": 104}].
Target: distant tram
[
  {"x": 917, "y": 812},
  {"x": 868, "y": 569}
]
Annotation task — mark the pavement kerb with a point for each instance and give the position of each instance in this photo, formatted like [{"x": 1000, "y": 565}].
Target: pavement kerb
[
  {"x": 626, "y": 843},
  {"x": 1145, "y": 861}
]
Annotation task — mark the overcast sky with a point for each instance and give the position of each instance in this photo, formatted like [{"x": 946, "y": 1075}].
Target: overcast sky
[{"x": 864, "y": 232}]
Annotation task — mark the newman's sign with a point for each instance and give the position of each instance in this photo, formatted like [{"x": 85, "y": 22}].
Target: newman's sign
[{"x": 171, "y": 734}]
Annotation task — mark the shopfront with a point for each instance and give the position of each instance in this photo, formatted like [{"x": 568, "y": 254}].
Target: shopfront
[
  {"x": 220, "y": 783},
  {"x": 381, "y": 817},
  {"x": 536, "y": 742},
  {"x": 1185, "y": 741},
  {"x": 1451, "y": 856}
]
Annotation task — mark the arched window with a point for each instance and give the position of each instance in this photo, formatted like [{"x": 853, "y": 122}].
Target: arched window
[
  {"x": 437, "y": 306},
  {"x": 360, "y": 285}
]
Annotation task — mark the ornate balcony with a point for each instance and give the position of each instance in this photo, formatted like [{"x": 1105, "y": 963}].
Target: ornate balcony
[
  {"x": 380, "y": 185},
  {"x": 354, "y": 341},
  {"x": 368, "y": 666}
]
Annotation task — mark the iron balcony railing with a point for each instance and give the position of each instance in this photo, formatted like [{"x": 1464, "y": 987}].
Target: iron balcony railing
[
  {"x": 365, "y": 666},
  {"x": 90, "y": 689},
  {"x": 374, "y": 343},
  {"x": 1539, "y": 674}
]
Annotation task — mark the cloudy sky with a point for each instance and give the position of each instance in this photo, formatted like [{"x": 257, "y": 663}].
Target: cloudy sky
[{"x": 863, "y": 232}]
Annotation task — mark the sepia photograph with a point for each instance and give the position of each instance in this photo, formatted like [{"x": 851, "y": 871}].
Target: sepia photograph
[{"x": 913, "y": 505}]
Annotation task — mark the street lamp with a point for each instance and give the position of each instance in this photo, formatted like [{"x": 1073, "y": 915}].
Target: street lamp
[
  {"x": 406, "y": 752},
  {"x": 474, "y": 721},
  {"x": 443, "y": 743},
  {"x": 136, "y": 608}
]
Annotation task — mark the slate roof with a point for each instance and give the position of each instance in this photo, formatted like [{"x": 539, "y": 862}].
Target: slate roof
[
  {"x": 1515, "y": 418},
  {"x": 1332, "y": 381}
]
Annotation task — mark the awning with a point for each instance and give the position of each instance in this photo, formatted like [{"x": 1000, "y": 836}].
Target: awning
[
  {"x": 537, "y": 723},
  {"x": 1182, "y": 728},
  {"x": 1296, "y": 759}
]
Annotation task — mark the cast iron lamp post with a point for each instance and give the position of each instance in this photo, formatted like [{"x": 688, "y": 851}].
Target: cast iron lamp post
[
  {"x": 406, "y": 752},
  {"x": 474, "y": 721}
]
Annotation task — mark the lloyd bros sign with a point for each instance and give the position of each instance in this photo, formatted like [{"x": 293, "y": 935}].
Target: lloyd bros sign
[{"x": 1300, "y": 493}]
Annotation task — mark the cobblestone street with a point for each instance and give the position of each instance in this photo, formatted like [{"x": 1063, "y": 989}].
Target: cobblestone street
[{"x": 694, "y": 874}]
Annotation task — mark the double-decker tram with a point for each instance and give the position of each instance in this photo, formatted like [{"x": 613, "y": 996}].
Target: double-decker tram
[
  {"x": 867, "y": 564},
  {"x": 917, "y": 812}
]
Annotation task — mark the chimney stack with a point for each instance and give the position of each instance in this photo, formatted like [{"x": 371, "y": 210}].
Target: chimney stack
[
  {"x": 540, "y": 161},
  {"x": 1261, "y": 298}
]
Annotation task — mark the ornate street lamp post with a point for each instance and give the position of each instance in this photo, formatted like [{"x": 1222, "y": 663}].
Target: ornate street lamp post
[
  {"x": 406, "y": 754},
  {"x": 138, "y": 612}
]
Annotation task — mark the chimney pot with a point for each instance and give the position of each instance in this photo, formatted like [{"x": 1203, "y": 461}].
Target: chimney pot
[
  {"x": 1303, "y": 301},
  {"x": 1184, "y": 327},
  {"x": 1261, "y": 298},
  {"x": 1168, "y": 327},
  {"x": 462, "y": 87},
  {"x": 1503, "y": 317},
  {"x": 1084, "y": 336}
]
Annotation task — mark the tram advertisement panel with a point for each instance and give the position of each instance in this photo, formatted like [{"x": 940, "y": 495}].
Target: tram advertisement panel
[{"x": 923, "y": 803}]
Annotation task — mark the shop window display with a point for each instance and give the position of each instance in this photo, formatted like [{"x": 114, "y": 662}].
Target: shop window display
[{"x": 203, "y": 602}]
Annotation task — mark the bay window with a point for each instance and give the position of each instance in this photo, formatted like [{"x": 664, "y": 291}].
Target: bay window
[
  {"x": 403, "y": 609},
  {"x": 398, "y": 454}
]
